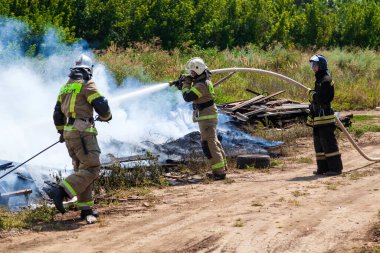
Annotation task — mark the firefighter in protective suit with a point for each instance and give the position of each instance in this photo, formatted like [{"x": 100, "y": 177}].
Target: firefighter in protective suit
[
  {"x": 197, "y": 87},
  {"x": 322, "y": 119},
  {"x": 73, "y": 118}
]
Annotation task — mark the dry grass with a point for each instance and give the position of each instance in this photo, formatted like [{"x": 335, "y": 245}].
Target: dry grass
[
  {"x": 239, "y": 223},
  {"x": 355, "y": 72},
  {"x": 289, "y": 135},
  {"x": 294, "y": 202},
  {"x": 299, "y": 193}
]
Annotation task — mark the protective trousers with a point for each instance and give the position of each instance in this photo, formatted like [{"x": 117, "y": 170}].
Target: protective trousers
[
  {"x": 85, "y": 158},
  {"x": 211, "y": 146},
  {"x": 326, "y": 149}
]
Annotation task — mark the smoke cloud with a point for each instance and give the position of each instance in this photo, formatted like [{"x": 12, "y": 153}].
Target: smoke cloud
[{"x": 28, "y": 91}]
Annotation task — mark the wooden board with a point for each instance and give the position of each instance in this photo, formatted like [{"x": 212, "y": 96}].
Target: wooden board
[
  {"x": 16, "y": 193},
  {"x": 247, "y": 102}
]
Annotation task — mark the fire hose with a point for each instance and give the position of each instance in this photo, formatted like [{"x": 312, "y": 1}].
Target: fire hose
[
  {"x": 29, "y": 159},
  {"x": 287, "y": 79},
  {"x": 82, "y": 142}
]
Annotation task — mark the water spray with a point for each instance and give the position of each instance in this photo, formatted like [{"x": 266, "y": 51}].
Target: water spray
[{"x": 144, "y": 91}]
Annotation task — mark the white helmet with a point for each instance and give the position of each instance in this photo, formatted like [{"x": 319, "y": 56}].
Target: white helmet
[
  {"x": 195, "y": 64},
  {"x": 84, "y": 62}
]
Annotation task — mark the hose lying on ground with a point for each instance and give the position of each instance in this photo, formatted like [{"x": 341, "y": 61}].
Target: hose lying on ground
[{"x": 285, "y": 78}]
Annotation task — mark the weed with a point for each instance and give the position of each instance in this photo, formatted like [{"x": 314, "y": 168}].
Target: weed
[
  {"x": 289, "y": 135},
  {"x": 312, "y": 186},
  {"x": 294, "y": 202},
  {"x": 120, "y": 177},
  {"x": 305, "y": 160},
  {"x": 298, "y": 193},
  {"x": 239, "y": 223},
  {"x": 254, "y": 169},
  {"x": 374, "y": 235},
  {"x": 359, "y": 174},
  {"x": 102, "y": 222},
  {"x": 360, "y": 118},
  {"x": 275, "y": 162},
  {"x": 229, "y": 181},
  {"x": 332, "y": 187},
  {"x": 27, "y": 218},
  {"x": 359, "y": 130},
  {"x": 375, "y": 249}
]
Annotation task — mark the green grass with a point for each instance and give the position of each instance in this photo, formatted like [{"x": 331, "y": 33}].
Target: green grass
[
  {"x": 356, "y": 72},
  {"x": 28, "y": 218},
  {"x": 359, "y": 130},
  {"x": 361, "y": 118}
]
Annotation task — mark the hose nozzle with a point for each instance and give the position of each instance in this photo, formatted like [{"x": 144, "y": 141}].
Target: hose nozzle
[{"x": 174, "y": 83}]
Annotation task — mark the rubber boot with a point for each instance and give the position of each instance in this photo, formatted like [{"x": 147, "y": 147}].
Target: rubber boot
[
  {"x": 321, "y": 167},
  {"x": 57, "y": 194},
  {"x": 217, "y": 174},
  {"x": 89, "y": 215},
  {"x": 333, "y": 173},
  {"x": 84, "y": 213}
]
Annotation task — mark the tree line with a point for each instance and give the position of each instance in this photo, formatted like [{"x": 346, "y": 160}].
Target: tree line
[{"x": 204, "y": 23}]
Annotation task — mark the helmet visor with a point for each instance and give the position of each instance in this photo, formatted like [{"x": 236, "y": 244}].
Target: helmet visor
[{"x": 189, "y": 65}]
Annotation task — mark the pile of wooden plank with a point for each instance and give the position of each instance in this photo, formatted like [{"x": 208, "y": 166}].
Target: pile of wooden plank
[{"x": 267, "y": 110}]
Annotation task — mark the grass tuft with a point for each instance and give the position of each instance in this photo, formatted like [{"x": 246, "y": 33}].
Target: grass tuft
[
  {"x": 239, "y": 223},
  {"x": 27, "y": 218}
]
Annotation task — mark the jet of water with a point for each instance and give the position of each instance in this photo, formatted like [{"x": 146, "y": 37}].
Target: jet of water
[{"x": 139, "y": 92}]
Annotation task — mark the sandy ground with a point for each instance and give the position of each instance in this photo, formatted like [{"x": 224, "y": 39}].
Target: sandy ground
[{"x": 284, "y": 210}]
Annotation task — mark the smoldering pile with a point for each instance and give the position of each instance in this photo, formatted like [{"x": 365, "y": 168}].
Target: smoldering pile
[
  {"x": 235, "y": 142},
  {"x": 24, "y": 186}
]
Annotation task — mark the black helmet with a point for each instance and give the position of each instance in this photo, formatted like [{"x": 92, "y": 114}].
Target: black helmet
[{"x": 320, "y": 60}]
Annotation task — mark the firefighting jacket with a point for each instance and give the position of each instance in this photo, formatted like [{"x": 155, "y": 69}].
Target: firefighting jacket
[
  {"x": 320, "y": 99},
  {"x": 201, "y": 92},
  {"x": 76, "y": 100}
]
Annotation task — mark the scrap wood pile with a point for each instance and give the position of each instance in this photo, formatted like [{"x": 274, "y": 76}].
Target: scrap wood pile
[{"x": 267, "y": 110}]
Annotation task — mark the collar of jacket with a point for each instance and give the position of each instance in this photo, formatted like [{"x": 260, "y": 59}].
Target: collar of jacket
[
  {"x": 79, "y": 74},
  {"x": 202, "y": 77},
  {"x": 320, "y": 74}
]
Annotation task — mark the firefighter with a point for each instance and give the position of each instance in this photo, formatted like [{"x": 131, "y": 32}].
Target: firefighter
[
  {"x": 73, "y": 118},
  {"x": 322, "y": 119},
  {"x": 197, "y": 87}
]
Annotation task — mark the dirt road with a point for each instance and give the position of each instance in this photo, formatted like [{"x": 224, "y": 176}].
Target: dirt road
[{"x": 284, "y": 210}]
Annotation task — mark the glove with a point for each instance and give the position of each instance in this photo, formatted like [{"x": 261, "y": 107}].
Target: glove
[
  {"x": 179, "y": 85},
  {"x": 310, "y": 94},
  {"x": 98, "y": 118},
  {"x": 176, "y": 83},
  {"x": 185, "y": 78},
  {"x": 61, "y": 139}
]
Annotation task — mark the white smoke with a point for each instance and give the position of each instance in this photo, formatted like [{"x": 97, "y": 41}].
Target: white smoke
[{"x": 28, "y": 91}]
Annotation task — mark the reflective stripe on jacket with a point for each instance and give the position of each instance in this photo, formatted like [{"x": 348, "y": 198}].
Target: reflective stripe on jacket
[
  {"x": 76, "y": 100},
  {"x": 203, "y": 89},
  {"x": 320, "y": 98}
]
